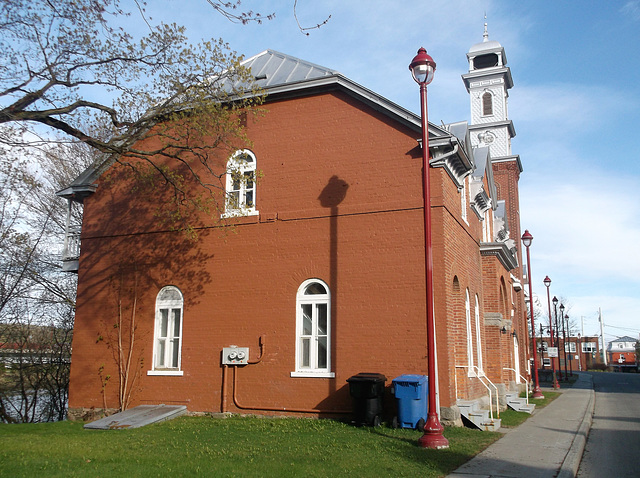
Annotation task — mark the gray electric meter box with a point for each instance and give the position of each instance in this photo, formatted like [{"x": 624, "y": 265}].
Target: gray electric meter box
[{"x": 235, "y": 355}]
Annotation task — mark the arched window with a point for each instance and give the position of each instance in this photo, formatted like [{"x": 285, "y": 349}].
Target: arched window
[
  {"x": 487, "y": 104},
  {"x": 241, "y": 184},
  {"x": 167, "y": 346},
  {"x": 467, "y": 310},
  {"x": 313, "y": 330},
  {"x": 478, "y": 337}
]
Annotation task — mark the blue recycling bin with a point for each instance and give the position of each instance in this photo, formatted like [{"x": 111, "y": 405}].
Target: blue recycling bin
[{"x": 411, "y": 394}]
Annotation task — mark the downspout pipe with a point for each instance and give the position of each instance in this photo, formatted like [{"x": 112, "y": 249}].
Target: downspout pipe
[{"x": 262, "y": 341}]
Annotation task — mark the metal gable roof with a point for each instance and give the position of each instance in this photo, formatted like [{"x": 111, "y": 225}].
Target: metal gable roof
[
  {"x": 282, "y": 75},
  {"x": 271, "y": 68}
]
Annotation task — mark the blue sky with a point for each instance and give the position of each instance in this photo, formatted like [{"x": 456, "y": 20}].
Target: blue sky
[{"x": 575, "y": 107}]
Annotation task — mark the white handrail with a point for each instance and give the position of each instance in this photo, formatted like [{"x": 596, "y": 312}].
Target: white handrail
[
  {"x": 525, "y": 381},
  {"x": 480, "y": 377}
]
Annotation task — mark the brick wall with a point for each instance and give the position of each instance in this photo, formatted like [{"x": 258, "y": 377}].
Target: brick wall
[{"x": 340, "y": 200}]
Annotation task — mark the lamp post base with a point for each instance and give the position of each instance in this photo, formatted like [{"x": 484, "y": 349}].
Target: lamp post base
[
  {"x": 433, "y": 437},
  {"x": 537, "y": 393}
]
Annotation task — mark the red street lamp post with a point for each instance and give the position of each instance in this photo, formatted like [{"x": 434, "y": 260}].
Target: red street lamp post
[
  {"x": 526, "y": 240},
  {"x": 422, "y": 69},
  {"x": 547, "y": 283}
]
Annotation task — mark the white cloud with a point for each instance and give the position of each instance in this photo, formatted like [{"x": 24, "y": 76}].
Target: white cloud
[
  {"x": 568, "y": 108},
  {"x": 586, "y": 223},
  {"x": 631, "y": 9}
]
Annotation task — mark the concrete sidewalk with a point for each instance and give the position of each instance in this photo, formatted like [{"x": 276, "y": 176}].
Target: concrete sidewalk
[{"x": 548, "y": 444}]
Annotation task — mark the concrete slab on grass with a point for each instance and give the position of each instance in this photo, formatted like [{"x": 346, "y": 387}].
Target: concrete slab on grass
[{"x": 138, "y": 417}]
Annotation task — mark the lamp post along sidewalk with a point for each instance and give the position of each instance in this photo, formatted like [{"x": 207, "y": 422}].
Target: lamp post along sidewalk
[
  {"x": 555, "y": 314},
  {"x": 422, "y": 69},
  {"x": 547, "y": 283},
  {"x": 564, "y": 342},
  {"x": 526, "y": 240}
]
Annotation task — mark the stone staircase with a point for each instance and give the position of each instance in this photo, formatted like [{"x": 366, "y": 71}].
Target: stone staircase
[
  {"x": 478, "y": 417},
  {"x": 519, "y": 404}
]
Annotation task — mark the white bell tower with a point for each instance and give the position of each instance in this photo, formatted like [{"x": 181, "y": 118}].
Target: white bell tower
[{"x": 488, "y": 83}]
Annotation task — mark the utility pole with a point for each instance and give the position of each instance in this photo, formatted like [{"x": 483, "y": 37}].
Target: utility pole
[
  {"x": 604, "y": 352},
  {"x": 580, "y": 344}
]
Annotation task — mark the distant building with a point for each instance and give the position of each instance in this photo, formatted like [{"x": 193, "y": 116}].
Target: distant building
[
  {"x": 582, "y": 353},
  {"x": 621, "y": 353}
]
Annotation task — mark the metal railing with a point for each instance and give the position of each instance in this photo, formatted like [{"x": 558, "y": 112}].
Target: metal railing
[
  {"x": 522, "y": 377},
  {"x": 480, "y": 376}
]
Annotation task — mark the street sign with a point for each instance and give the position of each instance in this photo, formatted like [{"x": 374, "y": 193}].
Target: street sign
[{"x": 553, "y": 352}]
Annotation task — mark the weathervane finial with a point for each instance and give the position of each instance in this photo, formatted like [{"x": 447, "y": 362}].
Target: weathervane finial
[{"x": 485, "y": 35}]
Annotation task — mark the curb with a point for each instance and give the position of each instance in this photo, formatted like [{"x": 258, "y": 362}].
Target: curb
[{"x": 571, "y": 462}]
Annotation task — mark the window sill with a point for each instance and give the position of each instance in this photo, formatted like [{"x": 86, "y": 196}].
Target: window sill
[
  {"x": 239, "y": 213},
  {"x": 313, "y": 374},
  {"x": 174, "y": 373}
]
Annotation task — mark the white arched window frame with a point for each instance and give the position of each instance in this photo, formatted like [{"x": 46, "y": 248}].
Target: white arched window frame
[
  {"x": 241, "y": 185},
  {"x": 478, "y": 338},
  {"x": 313, "y": 330},
  {"x": 167, "y": 343},
  {"x": 467, "y": 310},
  {"x": 487, "y": 103}
]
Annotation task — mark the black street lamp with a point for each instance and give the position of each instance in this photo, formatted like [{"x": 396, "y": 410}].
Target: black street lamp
[
  {"x": 564, "y": 342},
  {"x": 555, "y": 319},
  {"x": 422, "y": 69}
]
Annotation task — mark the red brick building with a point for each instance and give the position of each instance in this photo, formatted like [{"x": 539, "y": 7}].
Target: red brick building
[
  {"x": 621, "y": 353},
  {"x": 321, "y": 276},
  {"x": 577, "y": 353}
]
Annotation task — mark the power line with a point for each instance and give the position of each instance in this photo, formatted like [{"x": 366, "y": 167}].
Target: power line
[{"x": 621, "y": 328}]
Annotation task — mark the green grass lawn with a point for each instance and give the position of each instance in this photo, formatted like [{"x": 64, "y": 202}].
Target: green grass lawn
[
  {"x": 243, "y": 446},
  {"x": 511, "y": 419}
]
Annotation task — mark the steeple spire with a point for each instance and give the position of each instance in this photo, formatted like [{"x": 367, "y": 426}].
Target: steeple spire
[{"x": 485, "y": 35}]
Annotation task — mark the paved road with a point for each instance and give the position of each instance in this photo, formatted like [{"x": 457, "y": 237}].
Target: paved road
[{"x": 614, "y": 441}]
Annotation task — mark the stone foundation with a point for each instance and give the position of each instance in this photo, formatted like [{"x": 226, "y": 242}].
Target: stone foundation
[
  {"x": 450, "y": 416},
  {"x": 89, "y": 414}
]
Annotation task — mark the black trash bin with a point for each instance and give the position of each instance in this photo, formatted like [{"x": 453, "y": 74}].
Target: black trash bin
[{"x": 367, "y": 392}]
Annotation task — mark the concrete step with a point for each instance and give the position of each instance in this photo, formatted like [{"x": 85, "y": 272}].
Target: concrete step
[
  {"x": 478, "y": 417},
  {"x": 519, "y": 404},
  {"x": 491, "y": 425},
  {"x": 528, "y": 408}
]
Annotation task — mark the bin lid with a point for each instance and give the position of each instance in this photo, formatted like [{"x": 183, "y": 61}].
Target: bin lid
[
  {"x": 410, "y": 378},
  {"x": 367, "y": 377}
]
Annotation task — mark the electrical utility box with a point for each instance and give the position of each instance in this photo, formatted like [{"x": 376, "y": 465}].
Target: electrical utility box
[{"x": 234, "y": 355}]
